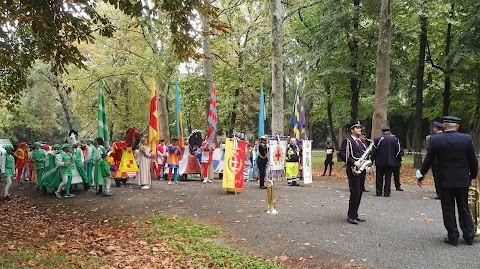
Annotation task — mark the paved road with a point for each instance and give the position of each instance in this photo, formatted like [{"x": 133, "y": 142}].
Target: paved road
[{"x": 402, "y": 231}]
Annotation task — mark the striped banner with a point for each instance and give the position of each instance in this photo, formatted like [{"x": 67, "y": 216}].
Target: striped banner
[
  {"x": 212, "y": 117},
  {"x": 102, "y": 116}
]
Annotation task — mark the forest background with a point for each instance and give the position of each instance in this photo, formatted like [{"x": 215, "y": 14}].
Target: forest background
[{"x": 329, "y": 52}]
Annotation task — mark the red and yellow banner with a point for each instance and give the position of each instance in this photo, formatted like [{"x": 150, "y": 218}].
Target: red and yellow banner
[{"x": 233, "y": 165}]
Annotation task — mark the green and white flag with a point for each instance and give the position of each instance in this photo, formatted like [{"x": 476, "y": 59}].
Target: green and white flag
[{"x": 102, "y": 116}]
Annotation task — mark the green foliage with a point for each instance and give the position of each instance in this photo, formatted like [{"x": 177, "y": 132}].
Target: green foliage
[{"x": 193, "y": 242}]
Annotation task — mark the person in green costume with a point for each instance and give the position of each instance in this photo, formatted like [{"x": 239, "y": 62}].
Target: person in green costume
[
  {"x": 90, "y": 160},
  {"x": 39, "y": 157},
  {"x": 97, "y": 173},
  {"x": 105, "y": 168},
  {"x": 8, "y": 171},
  {"x": 78, "y": 159},
  {"x": 65, "y": 162}
]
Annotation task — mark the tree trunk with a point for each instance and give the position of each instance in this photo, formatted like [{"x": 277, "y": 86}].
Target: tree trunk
[
  {"x": 476, "y": 119},
  {"x": 63, "y": 100},
  {"x": 330, "y": 118},
  {"x": 277, "y": 68},
  {"x": 417, "y": 124},
  {"x": 162, "y": 90},
  {"x": 382, "y": 87},
  {"x": 353, "y": 48},
  {"x": 448, "y": 65}
]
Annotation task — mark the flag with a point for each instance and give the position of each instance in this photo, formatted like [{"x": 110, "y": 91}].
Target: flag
[
  {"x": 303, "y": 132},
  {"x": 102, "y": 116},
  {"x": 296, "y": 117},
  {"x": 234, "y": 165},
  {"x": 153, "y": 132},
  {"x": 261, "y": 114},
  {"x": 179, "y": 121},
  {"x": 212, "y": 117}
]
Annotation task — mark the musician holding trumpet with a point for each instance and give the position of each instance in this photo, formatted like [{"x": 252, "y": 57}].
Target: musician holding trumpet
[{"x": 354, "y": 153}]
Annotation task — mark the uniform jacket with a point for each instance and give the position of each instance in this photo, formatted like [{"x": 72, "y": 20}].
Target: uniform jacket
[
  {"x": 456, "y": 159},
  {"x": 386, "y": 150},
  {"x": 351, "y": 151}
]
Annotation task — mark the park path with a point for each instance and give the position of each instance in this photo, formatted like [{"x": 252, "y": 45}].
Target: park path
[{"x": 402, "y": 231}]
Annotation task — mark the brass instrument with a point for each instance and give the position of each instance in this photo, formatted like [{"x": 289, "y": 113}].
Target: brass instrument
[
  {"x": 271, "y": 198},
  {"x": 364, "y": 160},
  {"x": 473, "y": 205}
]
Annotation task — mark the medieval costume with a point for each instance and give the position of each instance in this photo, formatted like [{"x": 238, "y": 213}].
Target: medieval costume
[
  {"x": 21, "y": 160},
  {"x": 174, "y": 152},
  {"x": 207, "y": 159},
  {"x": 292, "y": 159},
  {"x": 65, "y": 164},
  {"x": 8, "y": 169},
  {"x": 39, "y": 157},
  {"x": 144, "y": 174},
  {"x": 99, "y": 151}
]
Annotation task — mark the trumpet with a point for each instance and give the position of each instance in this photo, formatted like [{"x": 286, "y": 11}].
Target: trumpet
[{"x": 271, "y": 198}]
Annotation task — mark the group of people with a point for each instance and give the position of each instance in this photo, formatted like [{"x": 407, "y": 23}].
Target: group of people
[
  {"x": 54, "y": 166},
  {"x": 450, "y": 155}
]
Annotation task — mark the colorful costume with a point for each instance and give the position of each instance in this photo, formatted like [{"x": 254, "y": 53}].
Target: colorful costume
[
  {"x": 105, "y": 171},
  {"x": 8, "y": 168},
  {"x": 39, "y": 157},
  {"x": 172, "y": 162},
  {"x": 65, "y": 163},
  {"x": 207, "y": 159},
  {"x": 21, "y": 157},
  {"x": 98, "y": 178},
  {"x": 89, "y": 160}
]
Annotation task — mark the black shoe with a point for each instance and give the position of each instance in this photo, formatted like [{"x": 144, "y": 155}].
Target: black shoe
[
  {"x": 378, "y": 194},
  {"x": 437, "y": 198},
  {"x": 361, "y": 220},
  {"x": 365, "y": 191},
  {"x": 450, "y": 241},
  {"x": 468, "y": 241},
  {"x": 386, "y": 195},
  {"x": 399, "y": 189},
  {"x": 263, "y": 187},
  {"x": 352, "y": 221},
  {"x": 295, "y": 184}
]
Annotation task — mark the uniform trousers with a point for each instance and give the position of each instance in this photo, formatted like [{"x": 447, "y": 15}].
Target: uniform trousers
[
  {"x": 383, "y": 180},
  {"x": 448, "y": 199},
  {"x": 355, "y": 183}
]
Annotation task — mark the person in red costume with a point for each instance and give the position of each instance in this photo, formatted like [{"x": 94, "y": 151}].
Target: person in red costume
[
  {"x": 207, "y": 159},
  {"x": 21, "y": 160},
  {"x": 161, "y": 158}
]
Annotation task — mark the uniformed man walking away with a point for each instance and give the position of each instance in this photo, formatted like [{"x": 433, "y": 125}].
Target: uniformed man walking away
[
  {"x": 350, "y": 152},
  {"x": 457, "y": 166},
  {"x": 437, "y": 129},
  {"x": 385, "y": 151}
]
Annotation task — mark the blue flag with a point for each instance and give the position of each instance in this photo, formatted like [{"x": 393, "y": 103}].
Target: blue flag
[{"x": 262, "y": 114}]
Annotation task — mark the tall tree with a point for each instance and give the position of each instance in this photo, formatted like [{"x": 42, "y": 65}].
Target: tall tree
[
  {"x": 277, "y": 68},
  {"x": 417, "y": 123},
  {"x": 382, "y": 88}
]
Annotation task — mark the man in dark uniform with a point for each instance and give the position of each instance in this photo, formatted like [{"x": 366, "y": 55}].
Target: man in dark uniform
[
  {"x": 350, "y": 152},
  {"x": 385, "y": 151},
  {"x": 262, "y": 160},
  {"x": 437, "y": 129},
  {"x": 457, "y": 166}
]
